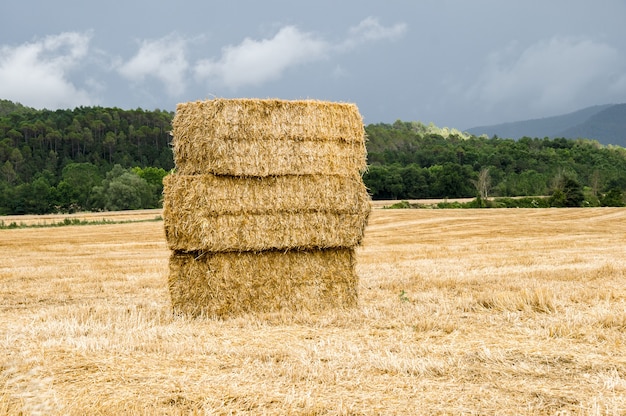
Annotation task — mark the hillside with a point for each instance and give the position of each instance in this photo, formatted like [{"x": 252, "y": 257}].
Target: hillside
[
  {"x": 604, "y": 123},
  {"x": 607, "y": 126},
  {"x": 408, "y": 163}
]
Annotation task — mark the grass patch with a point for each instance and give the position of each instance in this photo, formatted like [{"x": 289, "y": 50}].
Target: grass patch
[
  {"x": 498, "y": 202},
  {"x": 71, "y": 221}
]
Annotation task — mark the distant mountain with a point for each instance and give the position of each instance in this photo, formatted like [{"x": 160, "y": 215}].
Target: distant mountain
[{"x": 604, "y": 123}]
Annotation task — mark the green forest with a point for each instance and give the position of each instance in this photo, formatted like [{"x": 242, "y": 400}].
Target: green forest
[
  {"x": 98, "y": 159},
  {"x": 409, "y": 160}
]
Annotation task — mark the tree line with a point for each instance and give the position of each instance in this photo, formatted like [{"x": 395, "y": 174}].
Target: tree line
[
  {"x": 408, "y": 160},
  {"x": 95, "y": 158},
  {"x": 88, "y": 158}
]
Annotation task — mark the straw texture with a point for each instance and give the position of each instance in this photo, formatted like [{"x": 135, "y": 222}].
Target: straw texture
[
  {"x": 245, "y": 137},
  {"x": 213, "y": 213},
  {"x": 227, "y": 284},
  {"x": 208, "y": 194},
  {"x": 256, "y": 232},
  {"x": 265, "y": 207}
]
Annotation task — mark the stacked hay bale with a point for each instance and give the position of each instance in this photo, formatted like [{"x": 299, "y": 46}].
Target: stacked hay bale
[{"x": 266, "y": 206}]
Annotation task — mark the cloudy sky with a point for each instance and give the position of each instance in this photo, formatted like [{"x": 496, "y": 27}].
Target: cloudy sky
[{"x": 457, "y": 63}]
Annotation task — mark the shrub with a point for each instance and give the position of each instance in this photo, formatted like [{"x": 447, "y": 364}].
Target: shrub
[
  {"x": 613, "y": 198},
  {"x": 399, "y": 205}
]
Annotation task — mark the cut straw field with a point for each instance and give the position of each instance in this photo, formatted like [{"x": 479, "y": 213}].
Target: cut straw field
[
  {"x": 460, "y": 312},
  {"x": 85, "y": 217}
]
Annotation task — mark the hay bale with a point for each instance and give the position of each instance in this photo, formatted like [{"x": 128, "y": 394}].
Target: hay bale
[
  {"x": 266, "y": 206},
  {"x": 207, "y": 194},
  {"x": 227, "y": 284},
  {"x": 249, "y": 137},
  {"x": 221, "y": 213},
  {"x": 267, "y": 231}
]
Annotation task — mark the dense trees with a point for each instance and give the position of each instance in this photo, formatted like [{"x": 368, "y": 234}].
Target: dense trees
[
  {"x": 59, "y": 160},
  {"x": 410, "y": 161},
  {"x": 124, "y": 189},
  {"x": 36, "y": 140},
  {"x": 94, "y": 158}
]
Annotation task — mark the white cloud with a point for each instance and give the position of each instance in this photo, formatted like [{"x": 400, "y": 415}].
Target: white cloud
[
  {"x": 254, "y": 62},
  {"x": 36, "y": 74},
  {"x": 163, "y": 59},
  {"x": 370, "y": 29},
  {"x": 559, "y": 74}
]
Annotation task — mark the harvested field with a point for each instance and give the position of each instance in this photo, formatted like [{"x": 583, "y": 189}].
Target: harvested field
[
  {"x": 115, "y": 216},
  {"x": 506, "y": 311}
]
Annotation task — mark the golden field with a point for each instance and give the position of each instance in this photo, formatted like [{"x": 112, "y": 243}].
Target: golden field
[{"x": 494, "y": 311}]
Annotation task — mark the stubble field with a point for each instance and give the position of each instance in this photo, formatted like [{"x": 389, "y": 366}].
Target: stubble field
[{"x": 501, "y": 311}]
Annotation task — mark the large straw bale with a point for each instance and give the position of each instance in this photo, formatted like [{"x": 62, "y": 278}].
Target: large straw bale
[
  {"x": 266, "y": 206},
  {"x": 279, "y": 230},
  {"x": 221, "y": 213},
  {"x": 205, "y": 195},
  {"x": 227, "y": 284},
  {"x": 251, "y": 137}
]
